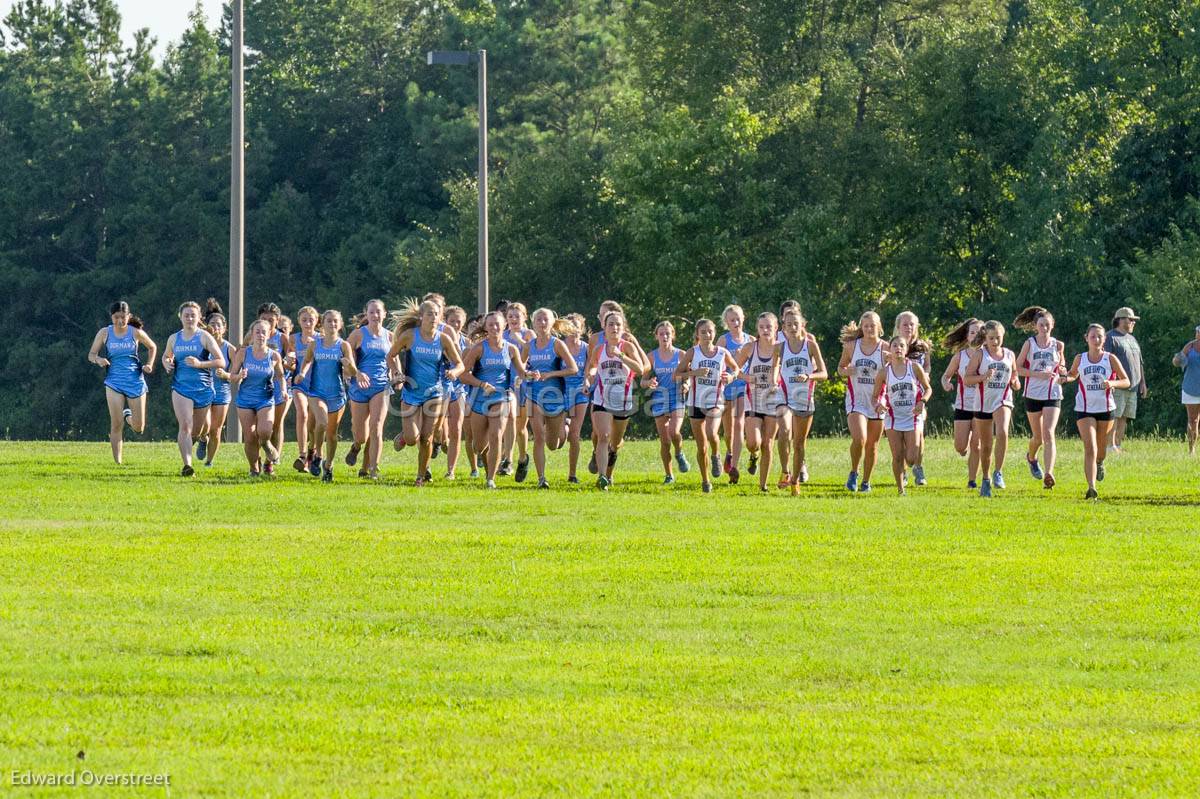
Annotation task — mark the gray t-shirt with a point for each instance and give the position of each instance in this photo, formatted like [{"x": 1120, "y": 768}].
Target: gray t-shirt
[{"x": 1126, "y": 348}]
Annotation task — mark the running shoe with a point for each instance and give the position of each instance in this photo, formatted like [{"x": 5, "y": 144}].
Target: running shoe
[
  {"x": 523, "y": 470},
  {"x": 753, "y": 467},
  {"x": 785, "y": 480},
  {"x": 363, "y": 473},
  {"x": 603, "y": 483},
  {"x": 419, "y": 482},
  {"x": 763, "y": 488},
  {"x": 972, "y": 484},
  {"x": 448, "y": 476},
  {"x": 474, "y": 474},
  {"x": 904, "y": 478},
  {"x": 682, "y": 462},
  {"x": 202, "y": 449},
  {"x": 327, "y": 475},
  {"x": 352, "y": 455},
  {"x": 543, "y": 483},
  {"x": 795, "y": 489},
  {"x": 269, "y": 468},
  {"x": 852, "y": 482},
  {"x": 208, "y": 464},
  {"x": 1048, "y": 481},
  {"x": 592, "y": 463},
  {"x": 374, "y": 474},
  {"x": 716, "y": 465},
  {"x": 1035, "y": 469},
  {"x": 428, "y": 475},
  {"x": 490, "y": 484},
  {"x": 254, "y": 472},
  {"x": 505, "y": 467},
  {"x": 314, "y": 466},
  {"x": 573, "y": 480},
  {"x": 1091, "y": 494},
  {"x": 1100, "y": 471},
  {"x": 804, "y": 473},
  {"x": 669, "y": 480},
  {"x": 919, "y": 475},
  {"x": 865, "y": 488},
  {"x": 272, "y": 453},
  {"x": 612, "y": 458},
  {"x": 187, "y": 471},
  {"x": 436, "y": 449},
  {"x": 300, "y": 465},
  {"x": 734, "y": 476},
  {"x": 902, "y": 492},
  {"x": 985, "y": 490},
  {"x": 706, "y": 488},
  {"x": 728, "y": 462},
  {"x": 480, "y": 461},
  {"x": 998, "y": 479},
  {"x": 397, "y": 444}
]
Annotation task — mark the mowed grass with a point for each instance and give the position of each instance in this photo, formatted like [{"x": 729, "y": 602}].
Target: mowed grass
[{"x": 288, "y": 638}]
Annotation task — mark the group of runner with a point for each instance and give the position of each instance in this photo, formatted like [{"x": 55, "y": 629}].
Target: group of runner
[{"x": 491, "y": 380}]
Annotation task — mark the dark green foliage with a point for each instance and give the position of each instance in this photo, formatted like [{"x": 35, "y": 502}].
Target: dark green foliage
[{"x": 956, "y": 158}]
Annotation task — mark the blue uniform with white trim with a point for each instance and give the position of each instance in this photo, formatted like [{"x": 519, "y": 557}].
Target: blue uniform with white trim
[
  {"x": 299, "y": 347},
  {"x": 423, "y": 368},
  {"x": 257, "y": 391},
  {"x": 458, "y": 389},
  {"x": 549, "y": 394},
  {"x": 189, "y": 381},
  {"x": 371, "y": 360},
  {"x": 574, "y": 388},
  {"x": 518, "y": 340},
  {"x": 281, "y": 392},
  {"x": 124, "y": 373},
  {"x": 738, "y": 387},
  {"x": 221, "y": 393},
  {"x": 495, "y": 368},
  {"x": 668, "y": 396},
  {"x": 326, "y": 382}
]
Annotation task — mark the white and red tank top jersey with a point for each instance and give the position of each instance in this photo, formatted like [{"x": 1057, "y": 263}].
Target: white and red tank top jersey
[
  {"x": 997, "y": 386},
  {"x": 1094, "y": 395},
  {"x": 861, "y": 383},
  {"x": 614, "y": 380},
  {"x": 966, "y": 398},
  {"x": 1042, "y": 359},
  {"x": 706, "y": 391},
  {"x": 901, "y": 395},
  {"x": 797, "y": 393},
  {"x": 762, "y": 393}
]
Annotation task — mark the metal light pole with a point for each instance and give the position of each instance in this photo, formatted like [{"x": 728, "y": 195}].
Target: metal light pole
[
  {"x": 237, "y": 203},
  {"x": 463, "y": 57}
]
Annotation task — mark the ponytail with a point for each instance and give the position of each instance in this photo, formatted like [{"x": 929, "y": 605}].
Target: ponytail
[
  {"x": 1027, "y": 319},
  {"x": 956, "y": 339},
  {"x": 135, "y": 321}
]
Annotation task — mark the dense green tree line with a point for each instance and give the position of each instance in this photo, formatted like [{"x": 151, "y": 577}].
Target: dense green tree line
[{"x": 955, "y": 157}]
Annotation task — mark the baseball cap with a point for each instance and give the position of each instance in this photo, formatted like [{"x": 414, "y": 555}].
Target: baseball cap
[{"x": 1125, "y": 313}]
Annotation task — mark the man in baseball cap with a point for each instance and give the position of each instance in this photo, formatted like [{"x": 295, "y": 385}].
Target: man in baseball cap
[{"x": 1120, "y": 342}]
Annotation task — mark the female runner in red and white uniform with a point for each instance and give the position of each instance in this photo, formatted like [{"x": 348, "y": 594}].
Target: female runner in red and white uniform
[
  {"x": 733, "y": 421},
  {"x": 709, "y": 369},
  {"x": 801, "y": 366},
  {"x": 920, "y": 352},
  {"x": 967, "y": 399},
  {"x": 863, "y": 353},
  {"x": 901, "y": 388},
  {"x": 759, "y": 362},
  {"x": 1042, "y": 363},
  {"x": 613, "y": 367},
  {"x": 1098, "y": 373},
  {"x": 993, "y": 367}
]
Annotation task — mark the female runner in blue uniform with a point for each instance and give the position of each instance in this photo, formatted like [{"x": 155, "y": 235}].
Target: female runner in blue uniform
[
  {"x": 189, "y": 357},
  {"x": 211, "y": 436},
  {"x": 124, "y": 379},
  {"x": 456, "y": 411},
  {"x": 667, "y": 399},
  {"x": 329, "y": 360},
  {"x": 255, "y": 370},
  {"x": 280, "y": 343},
  {"x": 370, "y": 390},
  {"x": 517, "y": 431},
  {"x": 733, "y": 418},
  {"x": 576, "y": 387},
  {"x": 307, "y": 446},
  {"x": 430, "y": 356},
  {"x": 549, "y": 362},
  {"x": 487, "y": 370}
]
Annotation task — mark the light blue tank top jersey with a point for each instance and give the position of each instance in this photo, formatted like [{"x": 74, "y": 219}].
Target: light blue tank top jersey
[
  {"x": 545, "y": 359},
  {"x": 282, "y": 392},
  {"x": 667, "y": 397},
  {"x": 299, "y": 348},
  {"x": 737, "y": 387},
  {"x": 1191, "y": 373},
  {"x": 575, "y": 382},
  {"x": 493, "y": 367},
  {"x": 326, "y": 371},
  {"x": 221, "y": 392},
  {"x": 257, "y": 390},
  {"x": 124, "y": 372},
  {"x": 423, "y": 368},
  {"x": 372, "y": 356},
  {"x": 188, "y": 380}
]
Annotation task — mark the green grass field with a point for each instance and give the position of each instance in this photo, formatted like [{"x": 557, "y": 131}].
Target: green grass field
[{"x": 288, "y": 638}]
